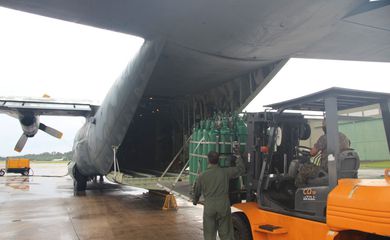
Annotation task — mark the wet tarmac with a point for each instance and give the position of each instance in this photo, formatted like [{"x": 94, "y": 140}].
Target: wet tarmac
[
  {"x": 371, "y": 173},
  {"x": 43, "y": 207}
]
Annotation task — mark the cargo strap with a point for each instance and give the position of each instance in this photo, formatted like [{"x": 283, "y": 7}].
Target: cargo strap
[
  {"x": 174, "y": 159},
  {"x": 182, "y": 170},
  {"x": 185, "y": 166},
  {"x": 117, "y": 171}
]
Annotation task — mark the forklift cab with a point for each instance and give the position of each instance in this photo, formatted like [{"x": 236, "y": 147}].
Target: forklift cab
[{"x": 275, "y": 155}]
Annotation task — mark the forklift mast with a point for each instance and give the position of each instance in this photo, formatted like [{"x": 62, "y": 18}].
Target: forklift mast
[{"x": 263, "y": 133}]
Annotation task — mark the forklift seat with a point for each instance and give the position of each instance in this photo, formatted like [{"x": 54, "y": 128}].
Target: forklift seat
[
  {"x": 347, "y": 167},
  {"x": 348, "y": 164}
]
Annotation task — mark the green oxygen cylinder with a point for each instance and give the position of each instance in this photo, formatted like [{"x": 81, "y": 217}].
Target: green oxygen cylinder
[
  {"x": 200, "y": 135},
  {"x": 207, "y": 124},
  {"x": 199, "y": 144},
  {"x": 192, "y": 157},
  {"x": 213, "y": 138},
  {"x": 225, "y": 143},
  {"x": 198, "y": 147},
  {"x": 205, "y": 135},
  {"x": 242, "y": 133},
  {"x": 234, "y": 184}
]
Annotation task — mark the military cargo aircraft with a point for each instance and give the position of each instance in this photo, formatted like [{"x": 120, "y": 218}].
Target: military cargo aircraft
[{"x": 199, "y": 57}]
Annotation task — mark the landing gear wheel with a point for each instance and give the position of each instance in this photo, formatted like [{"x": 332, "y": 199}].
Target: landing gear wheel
[
  {"x": 79, "y": 183},
  {"x": 2, "y": 172},
  {"x": 80, "y": 186},
  {"x": 241, "y": 227}
]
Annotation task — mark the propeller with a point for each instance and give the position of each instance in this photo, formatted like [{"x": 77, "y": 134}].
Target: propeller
[
  {"x": 21, "y": 142},
  {"x": 51, "y": 131},
  {"x": 23, "y": 139}
]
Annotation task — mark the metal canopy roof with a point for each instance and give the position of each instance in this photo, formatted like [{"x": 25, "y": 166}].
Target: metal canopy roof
[{"x": 346, "y": 99}]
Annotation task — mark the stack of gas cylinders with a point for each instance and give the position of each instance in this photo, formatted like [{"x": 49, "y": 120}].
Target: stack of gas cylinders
[{"x": 218, "y": 133}]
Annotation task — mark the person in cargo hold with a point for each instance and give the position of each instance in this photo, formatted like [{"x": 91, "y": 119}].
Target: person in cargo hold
[{"x": 214, "y": 185}]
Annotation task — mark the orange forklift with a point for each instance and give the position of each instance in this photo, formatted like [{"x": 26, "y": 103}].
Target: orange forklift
[{"x": 335, "y": 204}]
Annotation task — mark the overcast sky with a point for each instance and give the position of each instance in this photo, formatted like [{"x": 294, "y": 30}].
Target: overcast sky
[
  {"x": 65, "y": 60},
  {"x": 303, "y": 76},
  {"x": 39, "y": 55}
]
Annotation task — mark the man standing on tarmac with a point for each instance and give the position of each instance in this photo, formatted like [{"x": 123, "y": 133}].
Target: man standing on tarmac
[{"x": 214, "y": 185}]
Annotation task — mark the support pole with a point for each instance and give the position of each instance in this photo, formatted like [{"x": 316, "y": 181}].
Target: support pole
[
  {"x": 332, "y": 139},
  {"x": 385, "y": 109}
]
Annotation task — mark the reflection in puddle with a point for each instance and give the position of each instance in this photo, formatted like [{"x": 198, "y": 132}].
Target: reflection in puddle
[{"x": 20, "y": 183}]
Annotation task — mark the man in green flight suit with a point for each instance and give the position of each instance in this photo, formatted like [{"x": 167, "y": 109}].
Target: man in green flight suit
[{"x": 214, "y": 185}]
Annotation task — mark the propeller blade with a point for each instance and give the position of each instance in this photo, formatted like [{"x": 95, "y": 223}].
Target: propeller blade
[
  {"x": 51, "y": 131},
  {"x": 21, "y": 142}
]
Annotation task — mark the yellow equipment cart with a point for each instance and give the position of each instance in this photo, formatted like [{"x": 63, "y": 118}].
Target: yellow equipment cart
[{"x": 18, "y": 165}]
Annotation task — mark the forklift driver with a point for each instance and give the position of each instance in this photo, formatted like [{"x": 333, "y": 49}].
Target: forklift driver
[{"x": 310, "y": 170}]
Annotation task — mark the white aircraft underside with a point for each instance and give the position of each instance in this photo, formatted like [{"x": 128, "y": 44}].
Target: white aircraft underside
[{"x": 212, "y": 41}]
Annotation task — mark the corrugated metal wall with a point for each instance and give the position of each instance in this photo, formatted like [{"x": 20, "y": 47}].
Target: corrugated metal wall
[{"x": 367, "y": 138}]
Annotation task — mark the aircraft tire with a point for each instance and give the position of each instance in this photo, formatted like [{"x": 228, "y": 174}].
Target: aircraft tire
[
  {"x": 79, "y": 182},
  {"x": 241, "y": 227},
  {"x": 2, "y": 172},
  {"x": 80, "y": 186}
]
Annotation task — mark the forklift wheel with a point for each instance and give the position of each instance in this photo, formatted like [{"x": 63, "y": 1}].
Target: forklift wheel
[
  {"x": 2, "y": 172},
  {"x": 241, "y": 227}
]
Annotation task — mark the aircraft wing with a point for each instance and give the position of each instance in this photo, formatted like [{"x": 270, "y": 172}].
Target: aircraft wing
[
  {"x": 16, "y": 106},
  {"x": 209, "y": 43}
]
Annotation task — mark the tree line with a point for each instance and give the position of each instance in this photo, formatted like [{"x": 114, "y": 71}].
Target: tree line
[{"x": 46, "y": 156}]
